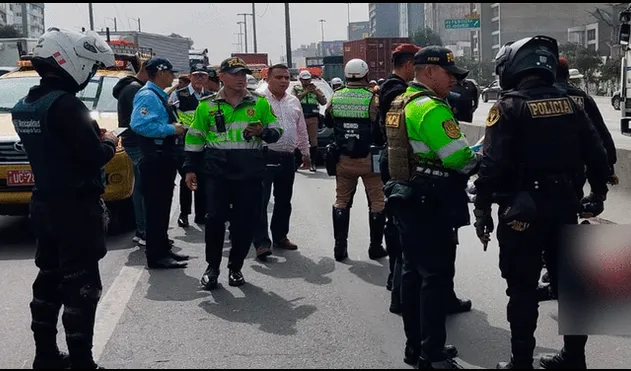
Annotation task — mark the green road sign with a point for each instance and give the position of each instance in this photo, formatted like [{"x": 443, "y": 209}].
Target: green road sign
[{"x": 452, "y": 24}]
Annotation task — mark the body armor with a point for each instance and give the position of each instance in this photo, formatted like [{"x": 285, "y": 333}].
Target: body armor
[{"x": 351, "y": 113}]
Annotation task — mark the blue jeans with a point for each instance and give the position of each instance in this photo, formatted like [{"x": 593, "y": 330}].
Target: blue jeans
[{"x": 139, "y": 206}]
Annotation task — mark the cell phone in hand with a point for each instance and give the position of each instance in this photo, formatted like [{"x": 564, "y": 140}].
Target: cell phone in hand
[{"x": 119, "y": 131}]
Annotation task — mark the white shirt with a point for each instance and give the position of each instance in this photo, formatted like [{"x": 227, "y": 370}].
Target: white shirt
[
  {"x": 291, "y": 119},
  {"x": 173, "y": 100}
]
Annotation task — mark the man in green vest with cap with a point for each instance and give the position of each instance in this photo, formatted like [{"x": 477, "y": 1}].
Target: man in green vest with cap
[
  {"x": 429, "y": 161},
  {"x": 225, "y": 146}
]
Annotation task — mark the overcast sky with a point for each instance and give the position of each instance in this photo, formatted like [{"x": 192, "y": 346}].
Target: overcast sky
[{"x": 214, "y": 26}]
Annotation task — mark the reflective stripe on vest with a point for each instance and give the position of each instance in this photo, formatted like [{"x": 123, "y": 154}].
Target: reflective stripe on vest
[{"x": 351, "y": 103}]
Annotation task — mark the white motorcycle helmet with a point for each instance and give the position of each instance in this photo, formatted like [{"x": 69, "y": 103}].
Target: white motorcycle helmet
[
  {"x": 79, "y": 55},
  {"x": 336, "y": 81},
  {"x": 356, "y": 69}
]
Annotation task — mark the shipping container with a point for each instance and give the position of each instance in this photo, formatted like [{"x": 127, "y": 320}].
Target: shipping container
[
  {"x": 252, "y": 58},
  {"x": 376, "y": 51}
]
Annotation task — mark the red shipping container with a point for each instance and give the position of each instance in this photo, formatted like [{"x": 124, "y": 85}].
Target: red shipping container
[
  {"x": 252, "y": 58},
  {"x": 376, "y": 51}
]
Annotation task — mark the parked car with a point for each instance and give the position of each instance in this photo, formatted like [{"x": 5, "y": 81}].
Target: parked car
[
  {"x": 615, "y": 100},
  {"x": 492, "y": 91}
]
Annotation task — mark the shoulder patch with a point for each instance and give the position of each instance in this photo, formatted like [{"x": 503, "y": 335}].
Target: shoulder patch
[
  {"x": 551, "y": 107},
  {"x": 144, "y": 111},
  {"x": 451, "y": 129},
  {"x": 493, "y": 117},
  {"x": 393, "y": 119},
  {"x": 580, "y": 101}
]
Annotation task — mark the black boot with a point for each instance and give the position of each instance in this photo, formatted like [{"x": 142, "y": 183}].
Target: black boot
[
  {"x": 522, "y": 355},
  {"x": 377, "y": 222},
  {"x": 341, "y": 220},
  {"x": 313, "y": 153},
  {"x": 563, "y": 361},
  {"x": 512, "y": 365}
]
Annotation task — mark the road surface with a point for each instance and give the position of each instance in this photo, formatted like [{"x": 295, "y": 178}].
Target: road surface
[{"x": 300, "y": 310}]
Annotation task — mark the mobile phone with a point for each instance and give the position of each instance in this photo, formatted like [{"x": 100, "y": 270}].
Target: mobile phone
[{"x": 119, "y": 131}]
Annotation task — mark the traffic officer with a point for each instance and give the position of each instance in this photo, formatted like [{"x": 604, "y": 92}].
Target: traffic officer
[
  {"x": 157, "y": 128},
  {"x": 353, "y": 115},
  {"x": 67, "y": 151},
  {"x": 310, "y": 96},
  {"x": 534, "y": 188},
  {"x": 336, "y": 83},
  {"x": 428, "y": 157},
  {"x": 392, "y": 87},
  {"x": 185, "y": 103},
  {"x": 225, "y": 143}
]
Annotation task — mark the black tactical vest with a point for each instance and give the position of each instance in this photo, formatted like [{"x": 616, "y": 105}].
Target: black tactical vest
[{"x": 350, "y": 108}]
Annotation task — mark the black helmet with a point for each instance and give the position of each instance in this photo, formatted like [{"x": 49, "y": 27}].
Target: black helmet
[{"x": 537, "y": 53}]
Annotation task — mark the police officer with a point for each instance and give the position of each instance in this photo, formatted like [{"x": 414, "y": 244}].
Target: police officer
[
  {"x": 392, "y": 87},
  {"x": 428, "y": 157},
  {"x": 591, "y": 109},
  {"x": 157, "y": 127},
  {"x": 185, "y": 103},
  {"x": 534, "y": 188},
  {"x": 310, "y": 96},
  {"x": 353, "y": 115},
  {"x": 67, "y": 152},
  {"x": 336, "y": 83},
  {"x": 225, "y": 143}
]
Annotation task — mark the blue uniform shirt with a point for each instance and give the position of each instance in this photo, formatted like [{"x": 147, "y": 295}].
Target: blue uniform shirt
[{"x": 149, "y": 117}]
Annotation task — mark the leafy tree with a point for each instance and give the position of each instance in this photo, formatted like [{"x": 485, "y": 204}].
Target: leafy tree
[
  {"x": 481, "y": 71},
  {"x": 425, "y": 36},
  {"x": 587, "y": 61},
  {"x": 9, "y": 31},
  {"x": 610, "y": 71}
]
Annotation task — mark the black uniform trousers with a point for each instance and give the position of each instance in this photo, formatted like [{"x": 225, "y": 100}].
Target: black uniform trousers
[
  {"x": 67, "y": 257},
  {"x": 245, "y": 197},
  {"x": 158, "y": 180},
  {"x": 280, "y": 173},
  {"x": 391, "y": 234},
  {"x": 429, "y": 250},
  {"x": 520, "y": 265}
]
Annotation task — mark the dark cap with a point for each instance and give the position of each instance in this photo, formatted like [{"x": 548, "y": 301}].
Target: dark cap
[
  {"x": 406, "y": 48},
  {"x": 160, "y": 64},
  {"x": 212, "y": 74},
  {"x": 234, "y": 65},
  {"x": 440, "y": 56},
  {"x": 198, "y": 68}
]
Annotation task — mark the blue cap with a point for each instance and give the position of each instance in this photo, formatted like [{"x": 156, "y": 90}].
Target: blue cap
[{"x": 160, "y": 64}]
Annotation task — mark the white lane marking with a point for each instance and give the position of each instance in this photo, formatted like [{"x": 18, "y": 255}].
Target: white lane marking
[
  {"x": 112, "y": 307},
  {"x": 113, "y": 304}
]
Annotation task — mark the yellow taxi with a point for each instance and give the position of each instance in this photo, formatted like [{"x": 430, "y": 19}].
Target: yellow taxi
[{"x": 16, "y": 178}]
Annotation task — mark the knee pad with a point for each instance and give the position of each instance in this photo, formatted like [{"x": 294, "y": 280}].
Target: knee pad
[{"x": 81, "y": 288}]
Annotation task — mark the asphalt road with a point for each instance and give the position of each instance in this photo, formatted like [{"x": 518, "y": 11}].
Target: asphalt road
[
  {"x": 611, "y": 117},
  {"x": 300, "y": 310}
]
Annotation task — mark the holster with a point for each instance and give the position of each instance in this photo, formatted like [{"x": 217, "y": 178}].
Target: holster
[
  {"x": 521, "y": 208},
  {"x": 397, "y": 192},
  {"x": 331, "y": 157}
]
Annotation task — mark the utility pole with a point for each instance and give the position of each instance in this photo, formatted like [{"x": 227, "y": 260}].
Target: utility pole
[
  {"x": 241, "y": 33},
  {"x": 115, "y": 26},
  {"x": 91, "y": 10},
  {"x": 245, "y": 29},
  {"x": 348, "y": 26},
  {"x": 322, "y": 41},
  {"x": 139, "y": 25},
  {"x": 254, "y": 25},
  {"x": 288, "y": 36}
]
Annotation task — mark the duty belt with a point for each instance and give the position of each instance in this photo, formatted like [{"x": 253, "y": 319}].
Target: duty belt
[{"x": 422, "y": 170}]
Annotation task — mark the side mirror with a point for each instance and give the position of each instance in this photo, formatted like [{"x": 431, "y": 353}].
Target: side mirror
[{"x": 624, "y": 34}]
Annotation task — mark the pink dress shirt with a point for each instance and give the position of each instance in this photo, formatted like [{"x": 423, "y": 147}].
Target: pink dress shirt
[{"x": 291, "y": 119}]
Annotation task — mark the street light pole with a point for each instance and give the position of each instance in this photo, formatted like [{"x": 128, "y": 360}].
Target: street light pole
[
  {"x": 240, "y": 23},
  {"x": 254, "y": 25},
  {"x": 245, "y": 29},
  {"x": 91, "y": 10},
  {"x": 288, "y": 36},
  {"x": 348, "y": 25},
  {"x": 322, "y": 42}
]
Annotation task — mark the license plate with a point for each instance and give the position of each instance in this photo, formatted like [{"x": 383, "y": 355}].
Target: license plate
[{"x": 20, "y": 178}]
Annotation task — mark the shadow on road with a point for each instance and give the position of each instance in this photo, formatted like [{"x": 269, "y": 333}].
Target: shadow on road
[
  {"x": 479, "y": 343},
  {"x": 371, "y": 273},
  {"x": 296, "y": 265},
  {"x": 173, "y": 285},
  {"x": 272, "y": 313}
]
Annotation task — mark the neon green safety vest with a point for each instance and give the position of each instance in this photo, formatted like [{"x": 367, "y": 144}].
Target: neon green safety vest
[
  {"x": 203, "y": 132},
  {"x": 309, "y": 98},
  {"x": 434, "y": 133}
]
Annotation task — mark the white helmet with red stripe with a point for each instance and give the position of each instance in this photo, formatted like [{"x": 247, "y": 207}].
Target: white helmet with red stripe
[{"x": 79, "y": 55}]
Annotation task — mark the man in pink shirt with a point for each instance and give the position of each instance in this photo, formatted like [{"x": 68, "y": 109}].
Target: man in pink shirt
[{"x": 281, "y": 165}]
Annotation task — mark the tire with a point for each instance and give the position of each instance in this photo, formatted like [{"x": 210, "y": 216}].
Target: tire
[
  {"x": 615, "y": 102},
  {"x": 122, "y": 218},
  {"x": 485, "y": 97}
]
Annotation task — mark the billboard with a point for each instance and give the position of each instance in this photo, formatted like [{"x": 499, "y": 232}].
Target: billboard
[
  {"x": 358, "y": 30},
  {"x": 332, "y": 48}
]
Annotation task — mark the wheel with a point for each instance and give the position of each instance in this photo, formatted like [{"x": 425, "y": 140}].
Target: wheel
[
  {"x": 615, "y": 102},
  {"x": 485, "y": 98},
  {"x": 122, "y": 218}
]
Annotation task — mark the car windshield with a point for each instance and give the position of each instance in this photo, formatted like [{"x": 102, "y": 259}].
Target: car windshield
[{"x": 97, "y": 95}]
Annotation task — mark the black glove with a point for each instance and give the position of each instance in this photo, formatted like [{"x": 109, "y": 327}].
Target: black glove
[
  {"x": 592, "y": 205},
  {"x": 483, "y": 225}
]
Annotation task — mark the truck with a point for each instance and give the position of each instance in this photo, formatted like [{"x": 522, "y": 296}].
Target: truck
[
  {"x": 376, "y": 51},
  {"x": 252, "y": 58},
  {"x": 198, "y": 57}
]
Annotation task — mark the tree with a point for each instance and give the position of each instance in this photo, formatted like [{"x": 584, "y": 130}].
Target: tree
[
  {"x": 425, "y": 36},
  {"x": 610, "y": 71},
  {"x": 9, "y": 31},
  {"x": 587, "y": 61},
  {"x": 480, "y": 71}
]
